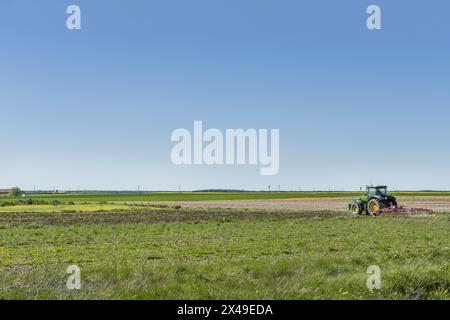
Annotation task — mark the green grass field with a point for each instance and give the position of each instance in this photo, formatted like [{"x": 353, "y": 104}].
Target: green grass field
[
  {"x": 176, "y": 253},
  {"x": 65, "y": 208},
  {"x": 199, "y": 196}
]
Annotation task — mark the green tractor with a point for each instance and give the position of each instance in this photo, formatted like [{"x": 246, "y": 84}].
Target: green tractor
[{"x": 373, "y": 202}]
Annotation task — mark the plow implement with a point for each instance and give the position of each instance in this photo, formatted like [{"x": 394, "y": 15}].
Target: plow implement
[{"x": 393, "y": 210}]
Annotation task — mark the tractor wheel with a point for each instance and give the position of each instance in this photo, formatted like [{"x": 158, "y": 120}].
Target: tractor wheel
[
  {"x": 356, "y": 208},
  {"x": 374, "y": 207}
]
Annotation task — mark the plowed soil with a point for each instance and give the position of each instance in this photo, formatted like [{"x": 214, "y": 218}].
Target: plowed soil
[{"x": 438, "y": 204}]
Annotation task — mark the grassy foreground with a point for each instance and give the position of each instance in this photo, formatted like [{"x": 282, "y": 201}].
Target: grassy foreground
[{"x": 167, "y": 253}]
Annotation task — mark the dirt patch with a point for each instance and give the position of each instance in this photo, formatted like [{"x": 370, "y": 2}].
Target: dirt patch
[
  {"x": 438, "y": 204},
  {"x": 36, "y": 219}
]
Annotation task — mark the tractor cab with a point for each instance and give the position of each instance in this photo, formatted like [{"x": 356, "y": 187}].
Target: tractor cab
[{"x": 376, "y": 191}]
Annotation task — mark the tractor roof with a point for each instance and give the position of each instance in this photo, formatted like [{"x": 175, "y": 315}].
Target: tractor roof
[{"x": 378, "y": 186}]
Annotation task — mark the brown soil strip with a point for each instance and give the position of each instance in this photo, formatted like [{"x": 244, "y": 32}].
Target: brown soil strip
[
  {"x": 438, "y": 204},
  {"x": 152, "y": 216}
]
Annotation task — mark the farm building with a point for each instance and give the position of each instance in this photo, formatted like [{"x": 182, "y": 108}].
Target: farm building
[{"x": 4, "y": 191}]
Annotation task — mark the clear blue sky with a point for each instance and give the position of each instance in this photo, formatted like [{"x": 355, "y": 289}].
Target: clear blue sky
[{"x": 95, "y": 108}]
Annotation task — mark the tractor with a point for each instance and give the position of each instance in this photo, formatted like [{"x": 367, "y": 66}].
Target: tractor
[{"x": 375, "y": 202}]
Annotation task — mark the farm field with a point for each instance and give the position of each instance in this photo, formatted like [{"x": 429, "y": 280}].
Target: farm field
[
  {"x": 166, "y": 252},
  {"x": 206, "y": 196},
  {"x": 436, "y": 203}
]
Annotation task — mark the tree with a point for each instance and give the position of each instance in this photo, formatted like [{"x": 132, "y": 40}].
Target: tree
[{"x": 15, "y": 192}]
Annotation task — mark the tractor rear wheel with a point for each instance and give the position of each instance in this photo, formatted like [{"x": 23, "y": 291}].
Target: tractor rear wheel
[
  {"x": 374, "y": 207},
  {"x": 356, "y": 208}
]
